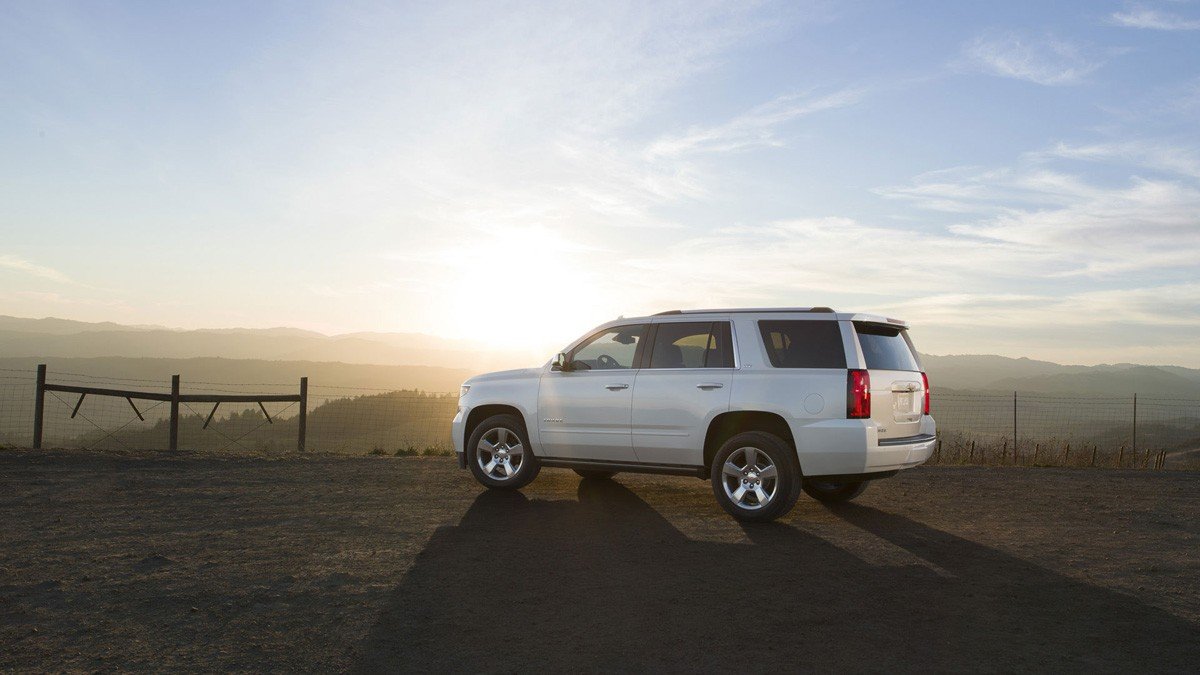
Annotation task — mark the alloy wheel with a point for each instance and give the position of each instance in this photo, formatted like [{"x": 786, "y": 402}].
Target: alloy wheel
[
  {"x": 500, "y": 453},
  {"x": 750, "y": 478}
]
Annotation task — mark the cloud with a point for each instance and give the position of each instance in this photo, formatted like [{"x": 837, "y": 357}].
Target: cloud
[
  {"x": 755, "y": 127},
  {"x": 1172, "y": 159},
  {"x": 11, "y": 262},
  {"x": 1175, "y": 305},
  {"x": 1141, "y": 17},
  {"x": 1047, "y": 62},
  {"x": 1144, "y": 223}
]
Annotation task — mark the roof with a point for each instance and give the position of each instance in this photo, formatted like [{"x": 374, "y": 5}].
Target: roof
[{"x": 833, "y": 314}]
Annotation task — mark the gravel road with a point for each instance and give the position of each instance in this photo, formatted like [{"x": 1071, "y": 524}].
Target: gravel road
[{"x": 190, "y": 562}]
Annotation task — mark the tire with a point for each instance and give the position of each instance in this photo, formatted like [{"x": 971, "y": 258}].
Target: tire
[
  {"x": 500, "y": 468},
  {"x": 832, "y": 493},
  {"x": 730, "y": 473},
  {"x": 595, "y": 474}
]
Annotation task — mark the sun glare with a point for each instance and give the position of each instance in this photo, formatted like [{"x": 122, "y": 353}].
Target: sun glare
[{"x": 523, "y": 288}]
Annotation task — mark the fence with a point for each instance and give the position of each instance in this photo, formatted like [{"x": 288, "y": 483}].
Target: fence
[
  {"x": 112, "y": 413},
  {"x": 974, "y": 428},
  {"x": 175, "y": 399},
  {"x": 1045, "y": 430}
]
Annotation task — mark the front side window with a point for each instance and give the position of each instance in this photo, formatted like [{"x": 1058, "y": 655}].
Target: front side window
[
  {"x": 803, "y": 344},
  {"x": 612, "y": 349},
  {"x": 700, "y": 344}
]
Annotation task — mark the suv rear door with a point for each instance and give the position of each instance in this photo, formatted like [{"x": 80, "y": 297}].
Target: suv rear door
[
  {"x": 684, "y": 382},
  {"x": 897, "y": 391}
]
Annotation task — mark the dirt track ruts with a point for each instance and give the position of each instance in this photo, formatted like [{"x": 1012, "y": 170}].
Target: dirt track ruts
[{"x": 324, "y": 563}]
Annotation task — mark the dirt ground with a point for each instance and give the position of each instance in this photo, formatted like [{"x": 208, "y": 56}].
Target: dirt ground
[{"x": 367, "y": 564}]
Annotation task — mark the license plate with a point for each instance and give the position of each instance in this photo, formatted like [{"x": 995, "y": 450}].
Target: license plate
[{"x": 903, "y": 401}]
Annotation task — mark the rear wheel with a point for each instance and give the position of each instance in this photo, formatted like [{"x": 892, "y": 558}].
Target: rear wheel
[
  {"x": 755, "y": 477},
  {"x": 595, "y": 474},
  {"x": 499, "y": 454},
  {"x": 832, "y": 492}
]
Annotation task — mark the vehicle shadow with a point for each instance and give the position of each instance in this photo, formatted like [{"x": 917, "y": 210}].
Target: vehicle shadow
[{"x": 606, "y": 583}]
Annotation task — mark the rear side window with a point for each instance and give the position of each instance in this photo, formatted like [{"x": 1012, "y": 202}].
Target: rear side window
[
  {"x": 885, "y": 348},
  {"x": 803, "y": 344},
  {"x": 700, "y": 344}
]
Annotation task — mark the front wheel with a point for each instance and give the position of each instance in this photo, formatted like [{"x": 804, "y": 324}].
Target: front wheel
[
  {"x": 833, "y": 492},
  {"x": 755, "y": 477},
  {"x": 500, "y": 457}
]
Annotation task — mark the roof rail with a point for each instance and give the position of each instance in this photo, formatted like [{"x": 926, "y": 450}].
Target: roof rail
[{"x": 760, "y": 310}]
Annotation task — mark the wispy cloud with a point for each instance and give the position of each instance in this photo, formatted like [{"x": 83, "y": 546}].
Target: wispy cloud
[
  {"x": 755, "y": 127},
  {"x": 1083, "y": 226},
  {"x": 12, "y": 262},
  {"x": 1143, "y": 17},
  {"x": 1163, "y": 157},
  {"x": 1048, "y": 62}
]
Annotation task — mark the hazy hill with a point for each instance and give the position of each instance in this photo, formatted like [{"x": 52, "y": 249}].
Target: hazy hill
[
  {"x": 53, "y": 326},
  {"x": 75, "y": 339},
  {"x": 999, "y": 373}
]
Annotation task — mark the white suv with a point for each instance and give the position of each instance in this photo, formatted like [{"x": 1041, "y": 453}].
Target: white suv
[{"x": 762, "y": 402}]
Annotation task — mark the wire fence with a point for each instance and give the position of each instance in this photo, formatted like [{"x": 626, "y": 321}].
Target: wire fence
[
  {"x": 1047, "y": 430},
  {"x": 973, "y": 428}
]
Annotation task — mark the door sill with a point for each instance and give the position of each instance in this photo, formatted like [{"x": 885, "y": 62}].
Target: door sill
[{"x": 626, "y": 467}]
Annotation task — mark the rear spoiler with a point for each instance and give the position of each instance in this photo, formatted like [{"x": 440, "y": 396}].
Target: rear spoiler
[{"x": 881, "y": 320}]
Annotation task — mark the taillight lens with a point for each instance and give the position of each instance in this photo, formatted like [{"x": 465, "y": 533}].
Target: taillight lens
[
  {"x": 925, "y": 382},
  {"x": 858, "y": 394}
]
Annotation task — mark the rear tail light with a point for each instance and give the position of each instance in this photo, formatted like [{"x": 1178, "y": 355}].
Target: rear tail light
[
  {"x": 925, "y": 381},
  {"x": 858, "y": 394}
]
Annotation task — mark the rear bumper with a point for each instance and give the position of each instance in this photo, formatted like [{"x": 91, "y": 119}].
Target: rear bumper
[{"x": 835, "y": 447}]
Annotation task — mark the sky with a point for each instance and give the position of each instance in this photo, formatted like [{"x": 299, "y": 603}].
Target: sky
[{"x": 1015, "y": 178}]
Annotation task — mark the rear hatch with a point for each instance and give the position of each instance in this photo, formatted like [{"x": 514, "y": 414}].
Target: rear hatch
[{"x": 897, "y": 389}]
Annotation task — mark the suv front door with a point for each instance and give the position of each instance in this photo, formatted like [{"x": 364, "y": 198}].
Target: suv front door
[
  {"x": 584, "y": 413},
  {"x": 685, "y": 382}
]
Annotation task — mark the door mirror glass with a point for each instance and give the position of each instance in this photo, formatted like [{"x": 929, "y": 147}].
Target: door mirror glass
[{"x": 560, "y": 363}]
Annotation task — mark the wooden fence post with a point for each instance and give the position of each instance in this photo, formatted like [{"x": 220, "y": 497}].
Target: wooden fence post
[
  {"x": 303, "y": 414},
  {"x": 174, "y": 441},
  {"x": 1121, "y": 456},
  {"x": 1015, "y": 444},
  {"x": 39, "y": 407},
  {"x": 1135, "y": 425}
]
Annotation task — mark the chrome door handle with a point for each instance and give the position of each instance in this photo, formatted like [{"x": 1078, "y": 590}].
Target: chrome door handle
[
  {"x": 616, "y": 387},
  {"x": 709, "y": 385}
]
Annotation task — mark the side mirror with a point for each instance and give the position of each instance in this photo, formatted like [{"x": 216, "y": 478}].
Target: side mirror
[{"x": 561, "y": 363}]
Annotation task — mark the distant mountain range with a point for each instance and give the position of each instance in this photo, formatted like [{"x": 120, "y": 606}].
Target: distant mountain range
[
  {"x": 77, "y": 339},
  {"x": 410, "y": 360},
  {"x": 1000, "y": 373}
]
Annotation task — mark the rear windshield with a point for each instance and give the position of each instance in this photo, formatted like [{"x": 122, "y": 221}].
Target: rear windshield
[
  {"x": 803, "y": 344},
  {"x": 885, "y": 348}
]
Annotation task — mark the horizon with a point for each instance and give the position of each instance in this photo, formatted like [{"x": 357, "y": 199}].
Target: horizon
[
  {"x": 1019, "y": 180},
  {"x": 514, "y": 351}
]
